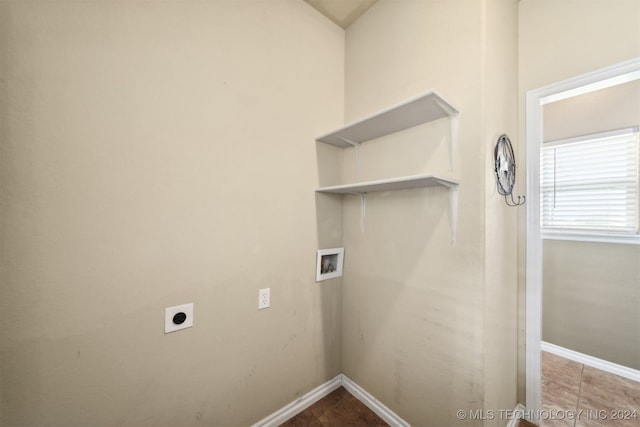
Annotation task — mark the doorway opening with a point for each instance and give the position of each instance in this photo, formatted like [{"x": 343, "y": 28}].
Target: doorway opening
[{"x": 536, "y": 100}]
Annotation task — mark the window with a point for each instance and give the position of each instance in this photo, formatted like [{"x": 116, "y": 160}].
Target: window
[{"x": 589, "y": 187}]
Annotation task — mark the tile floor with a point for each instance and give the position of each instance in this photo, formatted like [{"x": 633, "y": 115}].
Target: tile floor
[
  {"x": 592, "y": 397},
  {"x": 339, "y": 408},
  {"x": 589, "y": 396}
]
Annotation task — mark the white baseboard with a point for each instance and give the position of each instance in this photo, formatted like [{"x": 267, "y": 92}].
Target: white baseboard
[
  {"x": 519, "y": 413},
  {"x": 302, "y": 403},
  {"x": 594, "y": 362},
  {"x": 372, "y": 403}
]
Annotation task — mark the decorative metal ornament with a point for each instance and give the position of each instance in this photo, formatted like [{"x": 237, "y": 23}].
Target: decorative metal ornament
[{"x": 505, "y": 169}]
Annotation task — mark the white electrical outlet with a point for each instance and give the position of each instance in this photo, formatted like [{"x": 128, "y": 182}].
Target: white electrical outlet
[
  {"x": 178, "y": 317},
  {"x": 264, "y": 298}
]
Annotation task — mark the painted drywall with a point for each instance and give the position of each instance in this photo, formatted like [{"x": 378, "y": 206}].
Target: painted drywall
[
  {"x": 154, "y": 154},
  {"x": 552, "y": 48},
  {"x": 616, "y": 107},
  {"x": 591, "y": 291},
  {"x": 593, "y": 309},
  {"x": 423, "y": 331},
  {"x": 500, "y": 116}
]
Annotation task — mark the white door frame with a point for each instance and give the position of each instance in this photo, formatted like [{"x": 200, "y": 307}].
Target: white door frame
[{"x": 536, "y": 99}]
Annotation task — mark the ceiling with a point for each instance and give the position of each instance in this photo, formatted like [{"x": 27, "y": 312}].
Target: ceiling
[{"x": 342, "y": 12}]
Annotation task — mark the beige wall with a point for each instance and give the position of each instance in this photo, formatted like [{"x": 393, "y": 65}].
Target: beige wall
[
  {"x": 553, "y": 47},
  {"x": 616, "y": 107},
  {"x": 501, "y": 240},
  {"x": 153, "y": 154},
  {"x": 591, "y": 299},
  {"x": 591, "y": 291},
  {"x": 424, "y": 332},
  {"x": 144, "y": 137}
]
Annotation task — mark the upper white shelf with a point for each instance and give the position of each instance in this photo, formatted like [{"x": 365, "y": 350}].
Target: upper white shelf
[
  {"x": 416, "y": 111},
  {"x": 402, "y": 183}
]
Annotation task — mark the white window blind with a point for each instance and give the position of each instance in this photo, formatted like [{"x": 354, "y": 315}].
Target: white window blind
[{"x": 589, "y": 185}]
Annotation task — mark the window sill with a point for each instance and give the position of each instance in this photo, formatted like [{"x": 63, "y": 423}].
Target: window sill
[{"x": 596, "y": 238}]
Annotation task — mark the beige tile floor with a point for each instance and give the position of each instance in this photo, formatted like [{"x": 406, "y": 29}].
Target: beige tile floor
[{"x": 589, "y": 396}]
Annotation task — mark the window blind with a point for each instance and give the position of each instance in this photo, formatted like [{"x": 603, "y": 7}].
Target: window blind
[{"x": 590, "y": 184}]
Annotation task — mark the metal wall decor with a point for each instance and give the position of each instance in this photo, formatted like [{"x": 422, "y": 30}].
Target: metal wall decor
[{"x": 505, "y": 169}]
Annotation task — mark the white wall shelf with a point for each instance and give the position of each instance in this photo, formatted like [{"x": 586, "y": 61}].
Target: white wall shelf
[
  {"x": 422, "y": 109},
  {"x": 402, "y": 183}
]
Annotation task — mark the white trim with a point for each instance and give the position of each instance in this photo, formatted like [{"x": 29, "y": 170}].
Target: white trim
[
  {"x": 372, "y": 403},
  {"x": 576, "y": 237},
  {"x": 533, "y": 287},
  {"x": 625, "y": 71},
  {"x": 602, "y": 83},
  {"x": 594, "y": 362},
  {"x": 589, "y": 82},
  {"x": 302, "y": 403},
  {"x": 518, "y": 414}
]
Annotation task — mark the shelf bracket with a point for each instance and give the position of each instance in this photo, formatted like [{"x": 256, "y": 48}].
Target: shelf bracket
[
  {"x": 454, "y": 140},
  {"x": 453, "y": 207},
  {"x": 453, "y": 212},
  {"x": 363, "y": 208},
  {"x": 453, "y": 121},
  {"x": 355, "y": 145}
]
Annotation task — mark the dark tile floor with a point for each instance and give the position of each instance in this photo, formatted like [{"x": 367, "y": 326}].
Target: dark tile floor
[
  {"x": 566, "y": 386},
  {"x": 339, "y": 408}
]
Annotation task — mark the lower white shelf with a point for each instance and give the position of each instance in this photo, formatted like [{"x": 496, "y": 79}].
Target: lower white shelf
[{"x": 402, "y": 183}]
